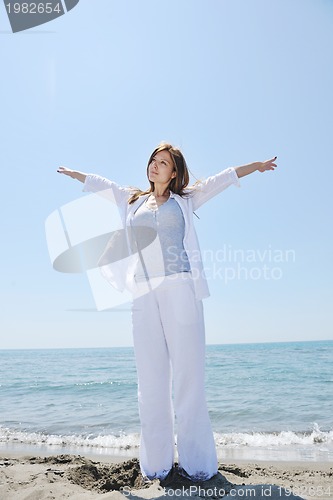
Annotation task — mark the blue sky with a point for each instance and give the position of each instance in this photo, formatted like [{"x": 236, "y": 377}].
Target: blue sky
[{"x": 228, "y": 81}]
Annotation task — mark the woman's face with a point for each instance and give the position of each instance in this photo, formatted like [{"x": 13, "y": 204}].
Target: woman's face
[{"x": 161, "y": 169}]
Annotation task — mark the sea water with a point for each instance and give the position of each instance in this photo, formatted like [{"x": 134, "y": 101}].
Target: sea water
[{"x": 270, "y": 401}]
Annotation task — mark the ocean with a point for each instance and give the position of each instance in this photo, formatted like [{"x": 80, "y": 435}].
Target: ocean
[{"x": 269, "y": 401}]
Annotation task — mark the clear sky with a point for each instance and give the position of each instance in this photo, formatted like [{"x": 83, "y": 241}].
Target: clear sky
[{"x": 230, "y": 82}]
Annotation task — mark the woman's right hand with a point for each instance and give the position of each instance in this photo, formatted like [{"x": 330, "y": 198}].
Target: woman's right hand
[
  {"x": 66, "y": 171},
  {"x": 74, "y": 174}
]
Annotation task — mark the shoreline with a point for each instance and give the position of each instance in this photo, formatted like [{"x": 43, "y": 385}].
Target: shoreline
[
  {"x": 285, "y": 454},
  {"x": 114, "y": 458}
]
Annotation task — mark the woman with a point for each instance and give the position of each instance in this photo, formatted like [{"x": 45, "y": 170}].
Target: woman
[{"x": 168, "y": 285}]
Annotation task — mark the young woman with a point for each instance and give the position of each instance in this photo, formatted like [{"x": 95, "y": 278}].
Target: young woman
[{"x": 168, "y": 285}]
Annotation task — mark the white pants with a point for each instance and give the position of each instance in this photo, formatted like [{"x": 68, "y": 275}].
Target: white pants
[{"x": 169, "y": 342}]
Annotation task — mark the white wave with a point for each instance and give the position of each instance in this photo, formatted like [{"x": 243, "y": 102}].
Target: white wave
[
  {"x": 278, "y": 439},
  {"x": 131, "y": 441},
  {"x": 121, "y": 442}
]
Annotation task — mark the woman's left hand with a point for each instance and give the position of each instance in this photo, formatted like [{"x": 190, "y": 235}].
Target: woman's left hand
[{"x": 267, "y": 165}]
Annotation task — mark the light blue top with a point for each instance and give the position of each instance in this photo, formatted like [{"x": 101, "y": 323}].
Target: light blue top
[{"x": 168, "y": 222}]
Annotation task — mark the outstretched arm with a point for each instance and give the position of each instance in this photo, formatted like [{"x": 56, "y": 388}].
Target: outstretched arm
[
  {"x": 94, "y": 183},
  {"x": 261, "y": 166},
  {"x": 74, "y": 174},
  {"x": 215, "y": 184}
]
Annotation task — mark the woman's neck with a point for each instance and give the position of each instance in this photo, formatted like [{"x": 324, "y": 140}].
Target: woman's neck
[{"x": 161, "y": 192}]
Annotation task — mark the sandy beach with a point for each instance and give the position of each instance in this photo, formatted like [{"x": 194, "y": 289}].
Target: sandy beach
[{"x": 24, "y": 477}]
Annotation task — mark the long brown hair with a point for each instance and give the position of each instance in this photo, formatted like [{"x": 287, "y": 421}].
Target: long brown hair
[{"x": 179, "y": 183}]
